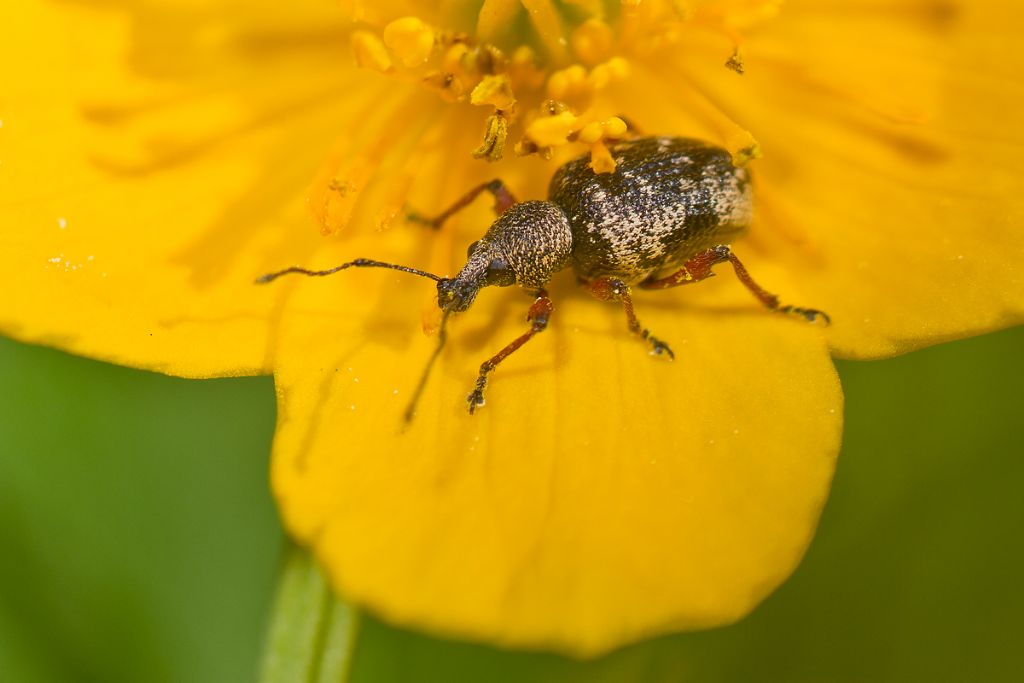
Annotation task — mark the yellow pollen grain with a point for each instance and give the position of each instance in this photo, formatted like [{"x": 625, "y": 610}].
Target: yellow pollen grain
[
  {"x": 495, "y": 91},
  {"x": 370, "y": 52},
  {"x": 410, "y": 40}
]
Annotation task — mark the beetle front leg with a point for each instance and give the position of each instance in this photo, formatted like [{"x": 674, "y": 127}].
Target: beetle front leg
[
  {"x": 613, "y": 289},
  {"x": 503, "y": 200},
  {"x": 699, "y": 268},
  {"x": 538, "y": 316}
]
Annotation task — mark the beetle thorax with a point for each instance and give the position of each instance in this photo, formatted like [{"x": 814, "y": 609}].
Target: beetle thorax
[{"x": 534, "y": 238}]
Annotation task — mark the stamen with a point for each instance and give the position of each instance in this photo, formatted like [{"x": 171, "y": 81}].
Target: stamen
[
  {"x": 574, "y": 35},
  {"x": 568, "y": 82},
  {"x": 575, "y": 82},
  {"x": 458, "y": 59},
  {"x": 601, "y": 160},
  {"x": 602, "y": 75},
  {"x": 447, "y": 84},
  {"x": 548, "y": 26},
  {"x": 594, "y": 134},
  {"x": 370, "y": 52},
  {"x": 592, "y": 41},
  {"x": 546, "y": 132},
  {"x": 493, "y": 146},
  {"x": 612, "y": 128},
  {"x": 524, "y": 68},
  {"x": 494, "y": 17},
  {"x": 351, "y": 166},
  {"x": 735, "y": 61},
  {"x": 402, "y": 180},
  {"x": 410, "y": 40},
  {"x": 592, "y": 8},
  {"x": 495, "y": 91}
]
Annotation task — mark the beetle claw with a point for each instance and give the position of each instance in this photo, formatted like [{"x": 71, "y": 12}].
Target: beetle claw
[
  {"x": 810, "y": 314},
  {"x": 659, "y": 348},
  {"x": 475, "y": 400}
]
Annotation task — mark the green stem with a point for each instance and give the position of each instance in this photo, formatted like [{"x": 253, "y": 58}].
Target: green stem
[{"x": 312, "y": 634}]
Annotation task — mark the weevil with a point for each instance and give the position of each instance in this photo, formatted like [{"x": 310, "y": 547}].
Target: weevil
[{"x": 662, "y": 219}]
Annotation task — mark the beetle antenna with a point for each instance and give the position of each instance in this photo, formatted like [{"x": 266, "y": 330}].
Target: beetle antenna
[
  {"x": 442, "y": 337},
  {"x": 358, "y": 263}
]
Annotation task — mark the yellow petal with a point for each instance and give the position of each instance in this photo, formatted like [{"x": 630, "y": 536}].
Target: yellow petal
[
  {"x": 601, "y": 495},
  {"x": 891, "y": 193},
  {"x": 146, "y": 183}
]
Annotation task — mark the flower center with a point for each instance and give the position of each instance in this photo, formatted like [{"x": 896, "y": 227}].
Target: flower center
[
  {"x": 540, "y": 67},
  {"x": 533, "y": 76}
]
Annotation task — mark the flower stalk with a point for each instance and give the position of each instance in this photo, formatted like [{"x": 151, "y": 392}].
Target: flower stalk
[{"x": 312, "y": 634}]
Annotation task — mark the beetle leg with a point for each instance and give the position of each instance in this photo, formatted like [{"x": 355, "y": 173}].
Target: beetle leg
[
  {"x": 538, "y": 316},
  {"x": 613, "y": 289},
  {"x": 699, "y": 268},
  {"x": 503, "y": 200}
]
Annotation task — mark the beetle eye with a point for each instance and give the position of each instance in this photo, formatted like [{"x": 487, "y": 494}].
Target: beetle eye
[
  {"x": 499, "y": 273},
  {"x": 471, "y": 248}
]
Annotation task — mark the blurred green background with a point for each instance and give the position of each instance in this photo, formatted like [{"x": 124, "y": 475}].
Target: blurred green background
[{"x": 138, "y": 541}]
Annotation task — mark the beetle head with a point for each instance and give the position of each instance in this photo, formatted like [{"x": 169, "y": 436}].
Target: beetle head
[
  {"x": 526, "y": 246},
  {"x": 485, "y": 266}
]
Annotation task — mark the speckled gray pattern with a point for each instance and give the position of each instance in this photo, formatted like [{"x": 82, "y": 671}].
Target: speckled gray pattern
[
  {"x": 668, "y": 199},
  {"x": 534, "y": 239}
]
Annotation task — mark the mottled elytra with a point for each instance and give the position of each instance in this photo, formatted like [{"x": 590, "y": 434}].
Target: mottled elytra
[{"x": 661, "y": 219}]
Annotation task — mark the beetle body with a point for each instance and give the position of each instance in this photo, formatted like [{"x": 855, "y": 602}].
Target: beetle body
[
  {"x": 661, "y": 219},
  {"x": 667, "y": 200}
]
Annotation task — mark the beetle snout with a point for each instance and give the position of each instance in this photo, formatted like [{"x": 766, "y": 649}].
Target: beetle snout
[{"x": 455, "y": 296}]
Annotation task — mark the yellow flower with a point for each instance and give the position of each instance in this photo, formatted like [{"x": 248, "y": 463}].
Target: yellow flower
[{"x": 156, "y": 158}]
